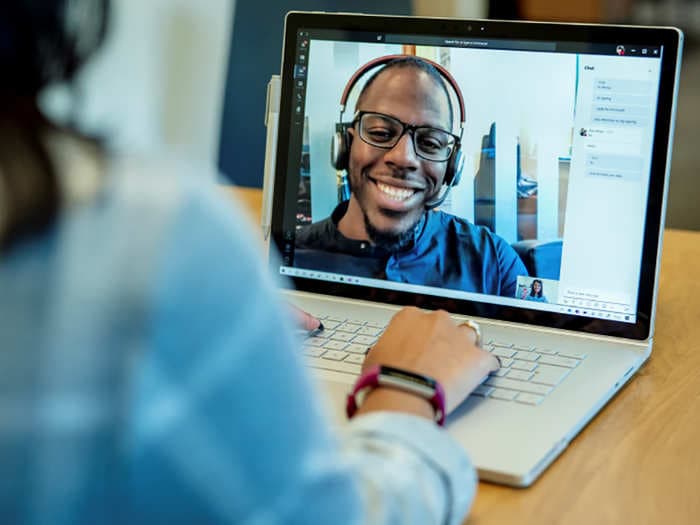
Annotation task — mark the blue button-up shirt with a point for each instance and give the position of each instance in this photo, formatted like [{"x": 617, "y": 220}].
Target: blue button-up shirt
[{"x": 445, "y": 251}]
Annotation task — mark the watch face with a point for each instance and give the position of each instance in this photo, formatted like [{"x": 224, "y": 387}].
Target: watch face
[
  {"x": 410, "y": 377},
  {"x": 418, "y": 384}
]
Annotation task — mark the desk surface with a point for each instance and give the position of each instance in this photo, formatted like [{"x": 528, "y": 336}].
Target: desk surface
[{"x": 638, "y": 461}]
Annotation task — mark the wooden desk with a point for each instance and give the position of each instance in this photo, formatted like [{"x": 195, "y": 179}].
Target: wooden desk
[{"x": 638, "y": 461}]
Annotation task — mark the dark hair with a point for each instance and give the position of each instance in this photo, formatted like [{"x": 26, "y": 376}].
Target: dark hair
[
  {"x": 41, "y": 43},
  {"x": 417, "y": 63},
  {"x": 532, "y": 288}
]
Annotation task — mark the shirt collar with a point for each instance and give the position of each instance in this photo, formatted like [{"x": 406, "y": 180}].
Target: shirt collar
[{"x": 366, "y": 248}]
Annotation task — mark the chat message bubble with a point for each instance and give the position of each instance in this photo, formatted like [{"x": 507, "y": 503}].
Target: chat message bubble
[
  {"x": 619, "y": 86},
  {"x": 613, "y": 140},
  {"x": 614, "y": 167},
  {"x": 623, "y": 99},
  {"x": 638, "y": 122}
]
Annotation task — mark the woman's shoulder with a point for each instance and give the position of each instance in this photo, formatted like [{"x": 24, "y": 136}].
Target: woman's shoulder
[
  {"x": 164, "y": 181},
  {"x": 147, "y": 209},
  {"x": 161, "y": 189},
  {"x": 92, "y": 179}
]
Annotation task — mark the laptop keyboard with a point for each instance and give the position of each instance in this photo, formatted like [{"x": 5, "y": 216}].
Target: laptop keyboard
[{"x": 527, "y": 374}]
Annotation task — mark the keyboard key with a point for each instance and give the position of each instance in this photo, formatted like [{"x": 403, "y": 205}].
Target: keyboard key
[
  {"x": 314, "y": 351},
  {"x": 355, "y": 358},
  {"x": 335, "y": 355},
  {"x": 572, "y": 354},
  {"x": 501, "y": 344},
  {"x": 505, "y": 362},
  {"x": 355, "y": 348},
  {"x": 520, "y": 375},
  {"x": 506, "y": 395},
  {"x": 375, "y": 324},
  {"x": 559, "y": 361},
  {"x": 546, "y": 351},
  {"x": 527, "y": 356},
  {"x": 315, "y": 341},
  {"x": 349, "y": 327},
  {"x": 529, "y": 399},
  {"x": 524, "y": 348},
  {"x": 359, "y": 322},
  {"x": 482, "y": 391},
  {"x": 335, "y": 319},
  {"x": 337, "y": 366},
  {"x": 335, "y": 345},
  {"x": 364, "y": 340},
  {"x": 500, "y": 372},
  {"x": 527, "y": 366},
  {"x": 369, "y": 330},
  {"x": 324, "y": 334},
  {"x": 329, "y": 324},
  {"x": 503, "y": 352},
  {"x": 342, "y": 336},
  {"x": 549, "y": 375},
  {"x": 522, "y": 386}
]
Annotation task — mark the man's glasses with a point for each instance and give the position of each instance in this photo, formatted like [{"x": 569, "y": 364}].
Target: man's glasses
[{"x": 383, "y": 131}]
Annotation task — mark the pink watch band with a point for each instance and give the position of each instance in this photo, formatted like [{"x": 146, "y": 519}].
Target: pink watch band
[{"x": 422, "y": 386}]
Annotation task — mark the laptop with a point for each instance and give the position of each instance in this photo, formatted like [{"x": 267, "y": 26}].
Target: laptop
[{"x": 559, "y": 156}]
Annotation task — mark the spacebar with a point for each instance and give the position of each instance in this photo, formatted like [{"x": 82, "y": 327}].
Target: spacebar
[{"x": 338, "y": 366}]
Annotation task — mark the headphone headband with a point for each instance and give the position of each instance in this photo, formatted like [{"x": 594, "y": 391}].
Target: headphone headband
[{"x": 388, "y": 58}]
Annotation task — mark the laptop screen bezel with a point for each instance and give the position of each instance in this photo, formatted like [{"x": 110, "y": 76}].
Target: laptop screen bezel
[{"x": 669, "y": 38}]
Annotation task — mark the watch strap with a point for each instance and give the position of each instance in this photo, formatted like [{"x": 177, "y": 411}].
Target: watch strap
[{"x": 391, "y": 377}]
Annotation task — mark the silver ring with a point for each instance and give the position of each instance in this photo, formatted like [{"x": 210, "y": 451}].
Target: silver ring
[{"x": 474, "y": 326}]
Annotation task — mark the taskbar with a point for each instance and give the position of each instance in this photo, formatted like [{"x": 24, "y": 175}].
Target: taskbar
[{"x": 291, "y": 271}]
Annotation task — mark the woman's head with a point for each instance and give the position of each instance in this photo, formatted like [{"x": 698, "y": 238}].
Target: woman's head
[
  {"x": 536, "y": 288},
  {"x": 42, "y": 42},
  {"x": 46, "y": 41}
]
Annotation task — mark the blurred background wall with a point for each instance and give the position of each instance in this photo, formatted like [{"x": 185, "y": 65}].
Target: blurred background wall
[{"x": 160, "y": 81}]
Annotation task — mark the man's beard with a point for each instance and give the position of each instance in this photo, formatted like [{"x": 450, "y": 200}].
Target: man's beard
[{"x": 391, "y": 242}]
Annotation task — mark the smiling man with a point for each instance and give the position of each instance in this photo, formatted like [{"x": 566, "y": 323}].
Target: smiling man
[{"x": 400, "y": 145}]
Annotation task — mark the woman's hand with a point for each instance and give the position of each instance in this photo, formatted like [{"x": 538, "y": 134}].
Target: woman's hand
[{"x": 431, "y": 344}]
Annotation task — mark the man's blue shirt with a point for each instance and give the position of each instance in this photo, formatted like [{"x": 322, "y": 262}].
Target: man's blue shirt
[{"x": 446, "y": 251}]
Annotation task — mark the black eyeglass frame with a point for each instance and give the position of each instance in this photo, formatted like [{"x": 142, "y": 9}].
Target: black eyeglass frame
[{"x": 406, "y": 128}]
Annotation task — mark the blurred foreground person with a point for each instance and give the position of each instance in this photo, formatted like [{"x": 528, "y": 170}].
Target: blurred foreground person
[{"x": 148, "y": 373}]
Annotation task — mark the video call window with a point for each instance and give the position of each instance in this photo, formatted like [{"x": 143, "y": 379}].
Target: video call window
[
  {"x": 516, "y": 144},
  {"x": 534, "y": 123}
]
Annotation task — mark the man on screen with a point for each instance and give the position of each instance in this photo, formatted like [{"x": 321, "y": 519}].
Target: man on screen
[{"x": 399, "y": 149}]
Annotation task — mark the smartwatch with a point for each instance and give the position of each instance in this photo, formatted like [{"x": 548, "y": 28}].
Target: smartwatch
[{"x": 387, "y": 376}]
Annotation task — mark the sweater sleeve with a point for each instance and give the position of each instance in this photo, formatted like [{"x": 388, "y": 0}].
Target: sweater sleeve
[{"x": 227, "y": 425}]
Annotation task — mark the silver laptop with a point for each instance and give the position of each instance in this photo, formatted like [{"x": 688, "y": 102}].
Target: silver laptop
[{"x": 539, "y": 171}]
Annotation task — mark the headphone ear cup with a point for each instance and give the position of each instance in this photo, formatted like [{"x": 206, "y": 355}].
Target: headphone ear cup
[
  {"x": 340, "y": 147},
  {"x": 453, "y": 173},
  {"x": 458, "y": 167}
]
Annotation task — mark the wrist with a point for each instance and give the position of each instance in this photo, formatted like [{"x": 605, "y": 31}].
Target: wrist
[
  {"x": 387, "y": 398},
  {"x": 397, "y": 389}
]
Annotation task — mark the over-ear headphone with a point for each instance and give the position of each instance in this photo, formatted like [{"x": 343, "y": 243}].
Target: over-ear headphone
[
  {"x": 340, "y": 145},
  {"x": 46, "y": 42}
]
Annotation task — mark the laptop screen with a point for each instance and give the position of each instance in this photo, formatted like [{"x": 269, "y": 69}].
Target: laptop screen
[{"x": 511, "y": 173}]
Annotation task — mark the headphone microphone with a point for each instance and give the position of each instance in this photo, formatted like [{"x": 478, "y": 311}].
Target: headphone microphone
[{"x": 342, "y": 140}]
